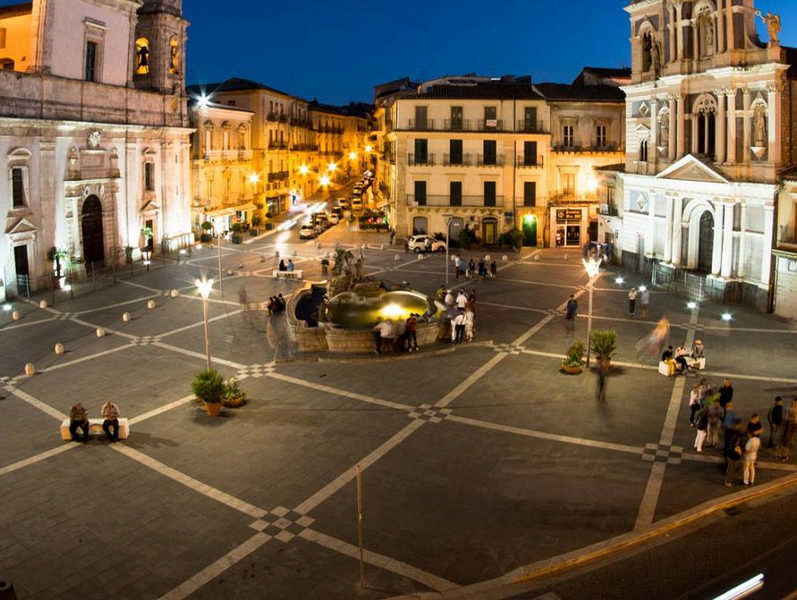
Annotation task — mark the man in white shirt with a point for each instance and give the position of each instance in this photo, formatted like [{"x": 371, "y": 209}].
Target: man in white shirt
[
  {"x": 110, "y": 420},
  {"x": 462, "y": 300}
]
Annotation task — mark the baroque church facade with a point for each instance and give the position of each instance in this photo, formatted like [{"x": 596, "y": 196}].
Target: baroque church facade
[
  {"x": 709, "y": 133},
  {"x": 94, "y": 136}
]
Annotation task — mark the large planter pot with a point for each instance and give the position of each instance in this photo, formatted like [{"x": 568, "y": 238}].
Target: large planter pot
[
  {"x": 213, "y": 408},
  {"x": 571, "y": 369},
  {"x": 234, "y": 402}
]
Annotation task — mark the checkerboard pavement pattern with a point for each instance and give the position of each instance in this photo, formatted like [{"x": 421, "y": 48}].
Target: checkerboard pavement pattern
[
  {"x": 256, "y": 370},
  {"x": 432, "y": 414},
  {"x": 663, "y": 453},
  {"x": 282, "y": 524}
]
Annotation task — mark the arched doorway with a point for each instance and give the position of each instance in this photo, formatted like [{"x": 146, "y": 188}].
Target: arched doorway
[
  {"x": 530, "y": 230},
  {"x": 705, "y": 244},
  {"x": 91, "y": 228}
]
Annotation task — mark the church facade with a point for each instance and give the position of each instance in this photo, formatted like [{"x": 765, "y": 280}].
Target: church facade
[
  {"x": 709, "y": 131},
  {"x": 94, "y": 137}
]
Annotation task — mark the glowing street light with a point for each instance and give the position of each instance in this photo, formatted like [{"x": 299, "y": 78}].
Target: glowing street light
[
  {"x": 204, "y": 286},
  {"x": 203, "y": 101},
  {"x": 619, "y": 280},
  {"x": 352, "y": 155},
  {"x": 304, "y": 170},
  {"x": 324, "y": 180},
  {"x": 254, "y": 178},
  {"x": 332, "y": 167},
  {"x": 691, "y": 305},
  {"x": 368, "y": 148},
  {"x": 593, "y": 269},
  {"x": 726, "y": 316}
]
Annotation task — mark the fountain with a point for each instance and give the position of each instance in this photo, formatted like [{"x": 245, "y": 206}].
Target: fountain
[{"x": 339, "y": 316}]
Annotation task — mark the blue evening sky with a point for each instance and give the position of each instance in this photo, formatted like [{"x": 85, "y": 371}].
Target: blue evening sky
[{"x": 337, "y": 50}]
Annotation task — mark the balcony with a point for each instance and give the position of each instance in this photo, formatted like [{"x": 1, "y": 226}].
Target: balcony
[
  {"x": 524, "y": 126},
  {"x": 278, "y": 176},
  {"x": 420, "y": 161},
  {"x": 560, "y": 147},
  {"x": 244, "y": 154},
  {"x": 457, "y": 125},
  {"x": 441, "y": 201},
  {"x": 489, "y": 161},
  {"x": 490, "y": 125},
  {"x": 609, "y": 210},
  {"x": 529, "y": 162},
  {"x": 462, "y": 160},
  {"x": 272, "y": 116},
  {"x": 277, "y": 146},
  {"x": 424, "y": 125}
]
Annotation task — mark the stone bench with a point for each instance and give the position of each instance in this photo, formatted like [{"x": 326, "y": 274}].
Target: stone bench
[
  {"x": 95, "y": 428},
  {"x": 277, "y": 274}
]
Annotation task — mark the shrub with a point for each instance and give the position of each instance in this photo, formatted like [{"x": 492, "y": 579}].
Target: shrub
[
  {"x": 207, "y": 225},
  {"x": 208, "y": 386},
  {"x": 515, "y": 239},
  {"x": 575, "y": 355},
  {"x": 602, "y": 343}
]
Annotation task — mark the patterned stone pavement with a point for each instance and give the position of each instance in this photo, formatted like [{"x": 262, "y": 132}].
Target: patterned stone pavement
[{"x": 478, "y": 464}]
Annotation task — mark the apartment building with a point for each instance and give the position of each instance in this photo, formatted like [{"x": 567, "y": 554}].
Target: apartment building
[{"x": 495, "y": 154}]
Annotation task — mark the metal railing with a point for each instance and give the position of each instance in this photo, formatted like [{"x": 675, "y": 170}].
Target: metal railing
[
  {"x": 277, "y": 146},
  {"x": 278, "y": 176},
  {"x": 457, "y": 124},
  {"x": 420, "y": 160},
  {"x": 531, "y": 126},
  {"x": 489, "y": 161},
  {"x": 440, "y": 200},
  {"x": 421, "y": 125},
  {"x": 490, "y": 125},
  {"x": 529, "y": 162},
  {"x": 457, "y": 160}
]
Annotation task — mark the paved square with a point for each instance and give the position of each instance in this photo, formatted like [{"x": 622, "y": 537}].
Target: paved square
[{"x": 477, "y": 460}]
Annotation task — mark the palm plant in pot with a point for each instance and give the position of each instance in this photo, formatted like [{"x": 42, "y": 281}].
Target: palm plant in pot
[
  {"x": 603, "y": 343},
  {"x": 208, "y": 386},
  {"x": 573, "y": 361}
]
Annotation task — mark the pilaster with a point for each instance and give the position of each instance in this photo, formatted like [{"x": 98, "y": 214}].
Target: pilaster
[
  {"x": 719, "y": 228},
  {"x": 722, "y": 120},
  {"x": 727, "y": 237},
  {"x": 681, "y": 125},
  {"x": 746, "y": 128},
  {"x": 730, "y": 96}
]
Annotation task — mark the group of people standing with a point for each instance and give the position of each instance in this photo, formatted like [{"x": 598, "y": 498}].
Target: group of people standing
[
  {"x": 486, "y": 268},
  {"x": 397, "y": 335},
  {"x": 461, "y": 311},
  {"x": 712, "y": 413}
]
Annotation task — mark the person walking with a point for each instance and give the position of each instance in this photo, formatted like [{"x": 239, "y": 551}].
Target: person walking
[
  {"x": 714, "y": 421},
  {"x": 632, "y": 301},
  {"x": 783, "y": 451},
  {"x": 459, "y": 328},
  {"x": 461, "y": 301},
  {"x": 571, "y": 310},
  {"x": 470, "y": 321},
  {"x": 412, "y": 332},
  {"x": 729, "y": 420},
  {"x": 749, "y": 458},
  {"x": 457, "y": 267},
  {"x": 471, "y": 269},
  {"x": 733, "y": 454},
  {"x": 644, "y": 301},
  {"x": 775, "y": 420},
  {"x": 493, "y": 270},
  {"x": 726, "y": 393},
  {"x": 696, "y": 400},
  {"x": 701, "y": 424}
]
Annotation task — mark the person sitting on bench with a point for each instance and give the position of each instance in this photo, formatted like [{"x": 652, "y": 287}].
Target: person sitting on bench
[
  {"x": 110, "y": 416},
  {"x": 79, "y": 418}
]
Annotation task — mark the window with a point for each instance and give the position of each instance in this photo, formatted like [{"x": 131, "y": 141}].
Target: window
[
  {"x": 489, "y": 193},
  {"x": 18, "y": 186},
  {"x": 420, "y": 193},
  {"x": 529, "y": 153},
  {"x": 149, "y": 176},
  {"x": 455, "y": 151},
  {"x": 421, "y": 152},
  {"x": 6, "y": 64},
  {"x": 420, "y": 117},
  {"x": 643, "y": 151},
  {"x": 600, "y": 136},
  {"x": 456, "y": 118},
  {"x": 2, "y": 37},
  {"x": 174, "y": 55},
  {"x": 90, "y": 71},
  {"x": 569, "y": 183},
  {"x": 225, "y": 140},
  {"x": 208, "y": 140},
  {"x": 455, "y": 193},
  {"x": 568, "y": 136},
  {"x": 489, "y": 152},
  {"x": 529, "y": 193},
  {"x": 142, "y": 56},
  {"x": 530, "y": 118},
  {"x": 490, "y": 118}
]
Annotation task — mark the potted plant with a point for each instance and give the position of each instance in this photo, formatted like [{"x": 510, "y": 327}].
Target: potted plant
[
  {"x": 602, "y": 345},
  {"x": 205, "y": 237},
  {"x": 233, "y": 396},
  {"x": 257, "y": 220},
  {"x": 208, "y": 386},
  {"x": 573, "y": 361},
  {"x": 236, "y": 229}
]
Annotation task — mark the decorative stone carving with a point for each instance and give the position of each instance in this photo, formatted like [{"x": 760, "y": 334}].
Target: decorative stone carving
[
  {"x": 772, "y": 21},
  {"x": 95, "y": 137}
]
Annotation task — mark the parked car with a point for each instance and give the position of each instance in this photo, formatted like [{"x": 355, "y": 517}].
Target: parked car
[
  {"x": 425, "y": 243},
  {"x": 307, "y": 232},
  {"x": 334, "y": 217},
  {"x": 356, "y": 204}
]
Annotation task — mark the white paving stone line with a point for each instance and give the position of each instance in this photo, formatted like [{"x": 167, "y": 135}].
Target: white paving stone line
[
  {"x": 540, "y": 283},
  {"x": 201, "y": 323},
  {"x": 142, "y": 300},
  {"x": 201, "y": 355},
  {"x": 162, "y": 409},
  {"x": 526, "y": 308},
  {"x": 34, "y": 402},
  {"x": 32, "y": 460},
  {"x": 378, "y": 560},
  {"x": 190, "y": 482},
  {"x": 215, "y": 569},
  {"x": 564, "y": 439},
  {"x": 85, "y": 358},
  {"x": 348, "y": 475},
  {"x": 29, "y": 324},
  {"x": 139, "y": 285},
  {"x": 650, "y": 498},
  {"x": 108, "y": 331},
  {"x": 339, "y": 392}
]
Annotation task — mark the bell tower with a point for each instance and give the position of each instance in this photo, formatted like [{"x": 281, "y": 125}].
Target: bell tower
[{"x": 159, "y": 47}]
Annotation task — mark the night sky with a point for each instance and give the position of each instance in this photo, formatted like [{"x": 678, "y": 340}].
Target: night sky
[{"x": 336, "y": 51}]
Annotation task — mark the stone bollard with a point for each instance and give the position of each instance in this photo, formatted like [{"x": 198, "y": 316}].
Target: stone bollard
[
  {"x": 150, "y": 304},
  {"x": 536, "y": 257},
  {"x": 16, "y": 316},
  {"x": 59, "y": 348},
  {"x": 174, "y": 293},
  {"x": 126, "y": 317},
  {"x": 100, "y": 332},
  {"x": 29, "y": 369},
  {"x": 396, "y": 258},
  {"x": 42, "y": 304},
  {"x": 381, "y": 246},
  {"x": 504, "y": 258},
  {"x": 566, "y": 257}
]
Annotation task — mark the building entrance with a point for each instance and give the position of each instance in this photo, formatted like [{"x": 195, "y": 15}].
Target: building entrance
[
  {"x": 91, "y": 228},
  {"x": 705, "y": 252}
]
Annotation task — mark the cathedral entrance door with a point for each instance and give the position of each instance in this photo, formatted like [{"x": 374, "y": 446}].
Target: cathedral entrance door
[
  {"x": 91, "y": 228},
  {"x": 705, "y": 248}
]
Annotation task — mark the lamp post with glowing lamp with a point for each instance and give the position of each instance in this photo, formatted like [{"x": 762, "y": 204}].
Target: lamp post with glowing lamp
[
  {"x": 204, "y": 286},
  {"x": 592, "y": 266},
  {"x": 448, "y": 230}
]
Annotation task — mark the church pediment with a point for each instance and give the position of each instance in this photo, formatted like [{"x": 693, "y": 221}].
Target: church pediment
[
  {"x": 690, "y": 168},
  {"x": 642, "y": 128},
  {"x": 149, "y": 207},
  {"x": 20, "y": 226}
]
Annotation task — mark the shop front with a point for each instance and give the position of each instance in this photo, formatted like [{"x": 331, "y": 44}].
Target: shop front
[{"x": 569, "y": 227}]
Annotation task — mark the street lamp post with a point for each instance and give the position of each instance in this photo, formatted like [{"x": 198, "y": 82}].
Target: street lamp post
[
  {"x": 448, "y": 230},
  {"x": 592, "y": 266},
  {"x": 204, "y": 286}
]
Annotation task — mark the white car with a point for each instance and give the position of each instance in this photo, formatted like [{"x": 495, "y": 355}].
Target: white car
[
  {"x": 425, "y": 243},
  {"x": 307, "y": 232}
]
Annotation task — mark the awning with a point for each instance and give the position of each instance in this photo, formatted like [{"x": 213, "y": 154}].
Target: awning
[{"x": 222, "y": 212}]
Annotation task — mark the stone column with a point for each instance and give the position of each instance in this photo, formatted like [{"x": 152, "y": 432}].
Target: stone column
[
  {"x": 721, "y": 29},
  {"x": 729, "y": 27},
  {"x": 680, "y": 125},
  {"x": 674, "y": 34},
  {"x": 766, "y": 244},
  {"x": 730, "y": 96},
  {"x": 668, "y": 229},
  {"x": 679, "y": 31},
  {"x": 722, "y": 120},
  {"x": 695, "y": 133},
  {"x": 746, "y": 129},
  {"x": 672, "y": 128},
  {"x": 677, "y": 215},
  {"x": 727, "y": 238},
  {"x": 719, "y": 228},
  {"x": 773, "y": 122},
  {"x": 653, "y": 142}
]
